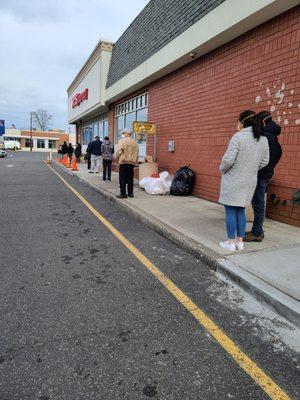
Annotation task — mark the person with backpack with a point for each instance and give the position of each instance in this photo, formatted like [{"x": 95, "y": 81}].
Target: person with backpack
[
  {"x": 95, "y": 151},
  {"x": 107, "y": 150},
  {"x": 247, "y": 153},
  {"x": 87, "y": 155},
  {"x": 271, "y": 131}
]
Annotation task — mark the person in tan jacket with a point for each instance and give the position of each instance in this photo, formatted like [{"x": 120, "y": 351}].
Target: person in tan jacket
[{"x": 127, "y": 155}]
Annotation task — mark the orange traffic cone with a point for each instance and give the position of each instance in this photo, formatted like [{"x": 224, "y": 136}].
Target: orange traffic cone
[
  {"x": 74, "y": 166},
  {"x": 65, "y": 160},
  {"x": 68, "y": 163}
]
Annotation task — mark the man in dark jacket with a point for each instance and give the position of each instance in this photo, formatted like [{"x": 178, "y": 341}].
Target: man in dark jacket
[
  {"x": 271, "y": 131},
  {"x": 64, "y": 149},
  {"x": 70, "y": 151},
  {"x": 95, "y": 151}
]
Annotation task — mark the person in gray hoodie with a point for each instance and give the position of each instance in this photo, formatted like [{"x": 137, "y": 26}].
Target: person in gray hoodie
[{"x": 107, "y": 150}]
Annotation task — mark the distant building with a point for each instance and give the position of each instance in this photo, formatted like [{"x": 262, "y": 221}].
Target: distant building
[{"x": 41, "y": 141}]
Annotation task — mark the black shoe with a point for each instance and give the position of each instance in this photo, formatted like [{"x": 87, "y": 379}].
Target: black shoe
[
  {"x": 121, "y": 196},
  {"x": 130, "y": 195}
]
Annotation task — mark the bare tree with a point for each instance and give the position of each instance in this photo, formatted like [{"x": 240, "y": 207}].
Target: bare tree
[{"x": 41, "y": 119}]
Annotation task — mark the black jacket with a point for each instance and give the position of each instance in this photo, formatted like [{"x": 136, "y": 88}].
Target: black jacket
[
  {"x": 64, "y": 149},
  {"x": 70, "y": 150},
  {"x": 77, "y": 151},
  {"x": 95, "y": 148},
  {"x": 271, "y": 132}
]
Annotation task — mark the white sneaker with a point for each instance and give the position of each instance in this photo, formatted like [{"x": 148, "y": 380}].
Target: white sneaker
[
  {"x": 227, "y": 245},
  {"x": 239, "y": 246}
]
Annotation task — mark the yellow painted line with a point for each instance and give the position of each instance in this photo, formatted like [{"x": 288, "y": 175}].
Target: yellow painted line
[{"x": 249, "y": 366}]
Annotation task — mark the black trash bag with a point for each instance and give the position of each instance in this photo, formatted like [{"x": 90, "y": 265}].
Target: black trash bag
[{"x": 183, "y": 182}]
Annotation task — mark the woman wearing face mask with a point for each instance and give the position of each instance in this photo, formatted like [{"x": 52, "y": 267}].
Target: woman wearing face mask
[{"x": 247, "y": 152}]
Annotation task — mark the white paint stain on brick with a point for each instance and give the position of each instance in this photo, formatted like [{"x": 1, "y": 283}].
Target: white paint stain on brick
[
  {"x": 292, "y": 91},
  {"x": 279, "y": 96},
  {"x": 268, "y": 92},
  {"x": 272, "y": 108},
  {"x": 283, "y": 86},
  {"x": 290, "y": 105},
  {"x": 258, "y": 99},
  {"x": 286, "y": 121},
  {"x": 279, "y": 119},
  {"x": 297, "y": 122}
]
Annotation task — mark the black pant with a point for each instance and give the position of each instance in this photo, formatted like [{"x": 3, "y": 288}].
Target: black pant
[
  {"x": 126, "y": 178},
  {"x": 106, "y": 169},
  {"x": 258, "y": 204},
  {"x": 89, "y": 161}
]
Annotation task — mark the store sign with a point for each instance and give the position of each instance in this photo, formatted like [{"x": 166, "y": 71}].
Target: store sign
[
  {"x": 2, "y": 127},
  {"x": 145, "y": 127},
  {"x": 79, "y": 97}
]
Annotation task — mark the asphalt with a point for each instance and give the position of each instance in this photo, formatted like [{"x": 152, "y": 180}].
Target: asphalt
[{"x": 82, "y": 319}]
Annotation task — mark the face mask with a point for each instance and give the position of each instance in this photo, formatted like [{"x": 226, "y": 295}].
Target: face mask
[{"x": 123, "y": 135}]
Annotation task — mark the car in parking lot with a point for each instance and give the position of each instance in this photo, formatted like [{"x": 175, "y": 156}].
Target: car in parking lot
[{"x": 3, "y": 153}]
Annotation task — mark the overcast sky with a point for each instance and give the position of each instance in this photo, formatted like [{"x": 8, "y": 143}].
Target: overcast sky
[{"x": 44, "y": 43}]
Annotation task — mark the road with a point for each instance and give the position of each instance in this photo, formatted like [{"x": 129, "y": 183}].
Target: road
[{"x": 85, "y": 316}]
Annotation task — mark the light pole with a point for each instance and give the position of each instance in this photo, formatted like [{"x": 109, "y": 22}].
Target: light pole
[{"x": 31, "y": 130}]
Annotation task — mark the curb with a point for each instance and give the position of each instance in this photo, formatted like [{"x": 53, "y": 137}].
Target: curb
[{"x": 278, "y": 301}]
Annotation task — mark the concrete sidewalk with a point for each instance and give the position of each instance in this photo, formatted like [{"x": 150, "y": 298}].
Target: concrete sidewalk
[{"x": 270, "y": 270}]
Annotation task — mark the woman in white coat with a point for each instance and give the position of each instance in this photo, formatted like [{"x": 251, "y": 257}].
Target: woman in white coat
[{"x": 247, "y": 153}]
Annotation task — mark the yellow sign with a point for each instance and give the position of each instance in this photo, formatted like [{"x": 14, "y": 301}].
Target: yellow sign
[{"x": 145, "y": 127}]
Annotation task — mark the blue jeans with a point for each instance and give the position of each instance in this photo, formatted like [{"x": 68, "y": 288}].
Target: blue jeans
[
  {"x": 235, "y": 221},
  {"x": 258, "y": 204}
]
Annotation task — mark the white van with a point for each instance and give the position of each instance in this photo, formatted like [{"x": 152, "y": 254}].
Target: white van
[{"x": 12, "y": 144}]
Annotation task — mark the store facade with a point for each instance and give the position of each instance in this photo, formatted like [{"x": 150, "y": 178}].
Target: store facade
[
  {"x": 86, "y": 96},
  {"x": 196, "y": 73}
]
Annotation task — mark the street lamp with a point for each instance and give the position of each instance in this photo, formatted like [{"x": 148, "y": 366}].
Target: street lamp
[{"x": 31, "y": 114}]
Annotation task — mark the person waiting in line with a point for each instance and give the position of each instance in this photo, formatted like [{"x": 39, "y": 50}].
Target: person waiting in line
[
  {"x": 78, "y": 152},
  {"x": 95, "y": 151},
  {"x": 64, "y": 149},
  {"x": 70, "y": 151},
  {"x": 107, "y": 150},
  {"x": 247, "y": 153},
  {"x": 127, "y": 155},
  {"x": 271, "y": 131},
  {"x": 87, "y": 155}
]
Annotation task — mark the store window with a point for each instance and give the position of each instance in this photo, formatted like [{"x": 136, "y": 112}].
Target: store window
[
  {"x": 52, "y": 144},
  {"x": 27, "y": 142},
  {"x": 132, "y": 110},
  {"x": 40, "y": 143},
  {"x": 135, "y": 109},
  {"x": 99, "y": 128}
]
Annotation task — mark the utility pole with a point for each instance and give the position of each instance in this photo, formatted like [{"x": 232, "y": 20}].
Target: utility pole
[{"x": 31, "y": 130}]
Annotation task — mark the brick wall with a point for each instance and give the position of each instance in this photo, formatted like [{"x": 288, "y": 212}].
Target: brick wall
[{"x": 198, "y": 105}]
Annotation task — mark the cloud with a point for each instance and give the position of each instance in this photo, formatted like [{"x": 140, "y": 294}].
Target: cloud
[{"x": 44, "y": 44}]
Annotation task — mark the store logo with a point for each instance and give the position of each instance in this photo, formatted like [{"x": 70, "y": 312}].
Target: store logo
[{"x": 79, "y": 97}]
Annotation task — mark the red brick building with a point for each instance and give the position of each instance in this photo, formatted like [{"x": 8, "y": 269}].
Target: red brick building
[{"x": 241, "y": 58}]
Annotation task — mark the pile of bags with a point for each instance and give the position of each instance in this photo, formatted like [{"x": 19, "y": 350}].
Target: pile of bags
[{"x": 163, "y": 183}]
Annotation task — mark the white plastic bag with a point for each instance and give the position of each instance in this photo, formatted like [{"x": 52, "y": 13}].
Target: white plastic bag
[{"x": 161, "y": 185}]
